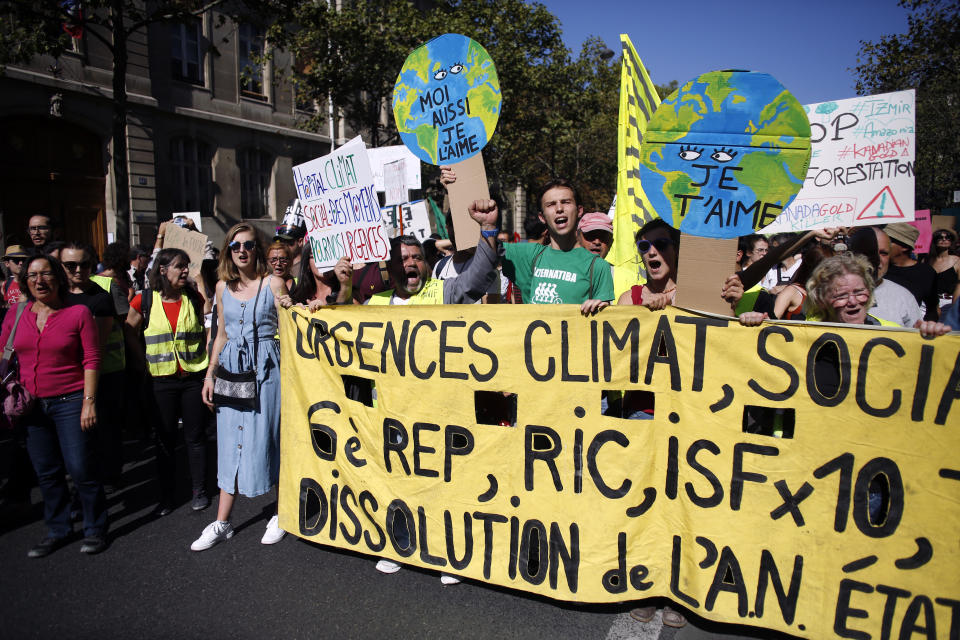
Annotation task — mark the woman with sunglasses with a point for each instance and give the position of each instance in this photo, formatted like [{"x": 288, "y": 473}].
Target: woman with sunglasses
[
  {"x": 171, "y": 314},
  {"x": 248, "y": 440},
  {"x": 946, "y": 263},
  {"x": 97, "y": 294},
  {"x": 657, "y": 243},
  {"x": 59, "y": 361}
]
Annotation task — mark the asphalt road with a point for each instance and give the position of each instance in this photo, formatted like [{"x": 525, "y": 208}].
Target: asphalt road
[{"x": 148, "y": 584}]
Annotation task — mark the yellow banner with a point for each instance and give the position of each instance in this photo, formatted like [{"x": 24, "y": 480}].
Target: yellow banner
[
  {"x": 638, "y": 101},
  {"x": 746, "y": 498}
]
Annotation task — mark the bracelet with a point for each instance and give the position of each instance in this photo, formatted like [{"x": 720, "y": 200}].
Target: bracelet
[
  {"x": 209, "y": 378},
  {"x": 492, "y": 233},
  {"x": 89, "y": 397}
]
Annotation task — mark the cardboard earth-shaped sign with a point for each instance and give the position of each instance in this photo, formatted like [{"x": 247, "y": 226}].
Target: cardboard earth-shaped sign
[
  {"x": 446, "y": 102},
  {"x": 725, "y": 153}
]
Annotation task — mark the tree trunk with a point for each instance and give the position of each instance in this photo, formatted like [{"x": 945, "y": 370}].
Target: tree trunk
[{"x": 119, "y": 159}]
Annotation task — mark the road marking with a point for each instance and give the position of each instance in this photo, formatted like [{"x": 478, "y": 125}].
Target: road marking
[{"x": 626, "y": 628}]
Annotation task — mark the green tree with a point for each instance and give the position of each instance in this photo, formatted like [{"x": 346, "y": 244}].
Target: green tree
[
  {"x": 925, "y": 58},
  {"x": 558, "y": 116},
  {"x": 352, "y": 56},
  {"x": 34, "y": 27}
]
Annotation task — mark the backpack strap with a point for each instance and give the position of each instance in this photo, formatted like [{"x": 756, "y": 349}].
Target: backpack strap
[
  {"x": 146, "y": 301},
  {"x": 8, "y": 348},
  {"x": 590, "y": 276},
  {"x": 440, "y": 265},
  {"x": 536, "y": 259}
]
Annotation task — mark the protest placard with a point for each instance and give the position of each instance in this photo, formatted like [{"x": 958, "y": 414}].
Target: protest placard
[
  {"x": 446, "y": 101},
  {"x": 193, "y": 242},
  {"x": 745, "y": 498},
  {"x": 381, "y": 156},
  {"x": 725, "y": 153},
  {"x": 341, "y": 208},
  {"x": 394, "y": 182},
  {"x": 862, "y": 170},
  {"x": 412, "y": 217},
  {"x": 190, "y": 215},
  {"x": 921, "y": 222}
]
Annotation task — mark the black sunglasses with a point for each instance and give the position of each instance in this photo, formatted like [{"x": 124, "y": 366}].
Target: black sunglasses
[
  {"x": 73, "y": 266},
  {"x": 236, "y": 244},
  {"x": 659, "y": 243},
  {"x": 16, "y": 260}
]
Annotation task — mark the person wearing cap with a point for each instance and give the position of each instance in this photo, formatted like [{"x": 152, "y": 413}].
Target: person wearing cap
[
  {"x": 13, "y": 260},
  {"x": 917, "y": 277},
  {"x": 595, "y": 233}
]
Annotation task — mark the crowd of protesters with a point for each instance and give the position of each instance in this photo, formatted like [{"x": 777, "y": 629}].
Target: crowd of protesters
[{"x": 105, "y": 341}]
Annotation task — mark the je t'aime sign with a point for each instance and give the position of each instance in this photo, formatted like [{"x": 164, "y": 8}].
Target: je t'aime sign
[{"x": 340, "y": 207}]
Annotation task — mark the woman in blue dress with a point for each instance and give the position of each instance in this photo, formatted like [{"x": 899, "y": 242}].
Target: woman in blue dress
[{"x": 248, "y": 441}]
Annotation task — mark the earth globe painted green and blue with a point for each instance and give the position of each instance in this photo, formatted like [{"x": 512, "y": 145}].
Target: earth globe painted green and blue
[
  {"x": 446, "y": 102},
  {"x": 725, "y": 154}
]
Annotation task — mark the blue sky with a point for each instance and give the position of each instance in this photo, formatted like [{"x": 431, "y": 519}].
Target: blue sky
[{"x": 809, "y": 46}]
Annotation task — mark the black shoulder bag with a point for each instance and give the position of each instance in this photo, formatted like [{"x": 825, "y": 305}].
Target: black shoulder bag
[{"x": 239, "y": 390}]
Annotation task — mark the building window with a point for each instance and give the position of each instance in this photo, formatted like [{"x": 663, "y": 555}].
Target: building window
[
  {"x": 255, "y": 166},
  {"x": 185, "y": 55},
  {"x": 250, "y": 59},
  {"x": 190, "y": 161}
]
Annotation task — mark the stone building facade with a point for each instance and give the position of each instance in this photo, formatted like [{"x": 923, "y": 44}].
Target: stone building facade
[{"x": 208, "y": 130}]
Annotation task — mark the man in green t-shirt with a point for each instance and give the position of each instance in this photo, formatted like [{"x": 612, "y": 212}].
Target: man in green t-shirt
[{"x": 560, "y": 272}]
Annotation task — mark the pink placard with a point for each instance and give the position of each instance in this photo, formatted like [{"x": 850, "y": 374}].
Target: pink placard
[{"x": 922, "y": 223}]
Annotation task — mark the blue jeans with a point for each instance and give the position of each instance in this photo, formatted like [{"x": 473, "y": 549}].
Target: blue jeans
[{"x": 54, "y": 441}]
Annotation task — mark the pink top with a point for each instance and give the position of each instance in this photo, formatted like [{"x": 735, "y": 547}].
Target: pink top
[{"x": 52, "y": 362}]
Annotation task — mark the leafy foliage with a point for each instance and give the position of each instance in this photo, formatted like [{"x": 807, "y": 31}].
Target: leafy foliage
[{"x": 926, "y": 58}]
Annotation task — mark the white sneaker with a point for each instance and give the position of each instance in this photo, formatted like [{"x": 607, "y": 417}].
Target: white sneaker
[
  {"x": 446, "y": 578},
  {"x": 387, "y": 566},
  {"x": 274, "y": 533},
  {"x": 213, "y": 533}
]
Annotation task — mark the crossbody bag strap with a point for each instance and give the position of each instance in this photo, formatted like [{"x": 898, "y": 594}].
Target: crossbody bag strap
[
  {"x": 8, "y": 349},
  {"x": 256, "y": 341}
]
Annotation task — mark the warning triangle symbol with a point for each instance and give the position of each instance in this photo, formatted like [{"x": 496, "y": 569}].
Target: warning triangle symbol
[{"x": 883, "y": 207}]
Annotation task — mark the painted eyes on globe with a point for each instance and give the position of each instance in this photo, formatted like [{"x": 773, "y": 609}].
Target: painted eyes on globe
[
  {"x": 440, "y": 74},
  {"x": 457, "y": 68},
  {"x": 723, "y": 155},
  {"x": 690, "y": 153}
]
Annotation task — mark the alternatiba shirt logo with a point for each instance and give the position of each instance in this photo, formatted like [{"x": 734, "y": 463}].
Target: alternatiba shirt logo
[{"x": 546, "y": 293}]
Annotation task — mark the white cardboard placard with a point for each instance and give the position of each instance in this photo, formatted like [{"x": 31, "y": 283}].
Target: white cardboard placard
[{"x": 862, "y": 166}]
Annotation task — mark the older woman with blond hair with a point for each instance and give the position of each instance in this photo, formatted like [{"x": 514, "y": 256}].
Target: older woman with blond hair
[{"x": 840, "y": 290}]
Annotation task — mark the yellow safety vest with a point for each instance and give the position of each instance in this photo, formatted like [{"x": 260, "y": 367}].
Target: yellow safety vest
[
  {"x": 164, "y": 350},
  {"x": 431, "y": 293},
  {"x": 114, "y": 355}
]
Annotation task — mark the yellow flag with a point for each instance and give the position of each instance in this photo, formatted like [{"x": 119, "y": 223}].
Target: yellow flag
[{"x": 638, "y": 101}]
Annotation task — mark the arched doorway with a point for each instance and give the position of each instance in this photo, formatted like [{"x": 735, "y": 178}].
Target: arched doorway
[{"x": 55, "y": 167}]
